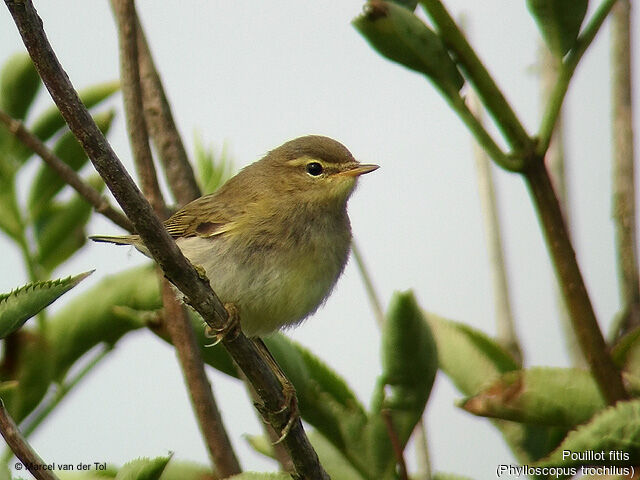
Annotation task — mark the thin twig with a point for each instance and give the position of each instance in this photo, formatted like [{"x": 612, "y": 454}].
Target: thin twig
[
  {"x": 422, "y": 447},
  {"x": 160, "y": 245},
  {"x": 162, "y": 128},
  {"x": 124, "y": 11},
  {"x": 624, "y": 195},
  {"x": 488, "y": 91},
  {"x": 505, "y": 325},
  {"x": 21, "y": 448},
  {"x": 66, "y": 173},
  {"x": 204, "y": 403},
  {"x": 395, "y": 443},
  {"x": 374, "y": 300},
  {"x": 565, "y": 74},
  {"x": 572, "y": 284},
  {"x": 178, "y": 325}
]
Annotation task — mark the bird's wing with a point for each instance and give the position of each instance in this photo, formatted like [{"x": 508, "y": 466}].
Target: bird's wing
[{"x": 205, "y": 217}]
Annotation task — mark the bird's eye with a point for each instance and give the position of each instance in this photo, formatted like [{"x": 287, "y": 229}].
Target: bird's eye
[{"x": 314, "y": 169}]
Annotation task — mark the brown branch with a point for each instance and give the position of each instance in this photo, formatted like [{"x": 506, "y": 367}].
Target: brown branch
[
  {"x": 179, "y": 328},
  {"x": 624, "y": 196},
  {"x": 202, "y": 399},
  {"x": 555, "y": 160},
  {"x": 161, "y": 246},
  {"x": 66, "y": 173},
  {"x": 21, "y": 448},
  {"x": 162, "y": 127},
  {"x": 573, "y": 288}
]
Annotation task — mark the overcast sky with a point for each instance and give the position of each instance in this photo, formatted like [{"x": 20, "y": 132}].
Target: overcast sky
[{"x": 252, "y": 75}]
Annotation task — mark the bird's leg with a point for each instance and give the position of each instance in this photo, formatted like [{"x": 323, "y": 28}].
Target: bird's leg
[
  {"x": 230, "y": 329},
  {"x": 288, "y": 390}
]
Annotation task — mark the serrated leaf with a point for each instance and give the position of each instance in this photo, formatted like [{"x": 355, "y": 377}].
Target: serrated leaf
[
  {"x": 19, "y": 84},
  {"x": 543, "y": 396},
  {"x": 397, "y": 34},
  {"x": 20, "y": 305},
  {"x": 143, "y": 469},
  {"x": 469, "y": 357},
  {"x": 61, "y": 230},
  {"x": 48, "y": 183},
  {"x": 615, "y": 429},
  {"x": 559, "y": 22}
]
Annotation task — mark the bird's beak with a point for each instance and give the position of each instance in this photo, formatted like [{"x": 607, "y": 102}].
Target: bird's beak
[{"x": 359, "y": 169}]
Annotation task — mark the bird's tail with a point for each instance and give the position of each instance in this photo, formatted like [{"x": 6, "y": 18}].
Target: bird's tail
[{"x": 118, "y": 240}]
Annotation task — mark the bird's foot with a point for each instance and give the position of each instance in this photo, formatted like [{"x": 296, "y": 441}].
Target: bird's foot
[{"x": 229, "y": 330}]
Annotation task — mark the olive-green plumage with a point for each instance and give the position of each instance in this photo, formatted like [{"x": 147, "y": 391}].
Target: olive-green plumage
[{"x": 274, "y": 239}]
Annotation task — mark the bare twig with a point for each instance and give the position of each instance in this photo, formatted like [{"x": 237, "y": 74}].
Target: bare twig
[
  {"x": 178, "y": 326},
  {"x": 204, "y": 403},
  {"x": 624, "y": 195},
  {"x": 65, "y": 172},
  {"x": 21, "y": 448},
  {"x": 160, "y": 245},
  {"x": 124, "y": 11},
  {"x": 505, "y": 328},
  {"x": 162, "y": 128},
  {"x": 555, "y": 159},
  {"x": 395, "y": 443},
  {"x": 422, "y": 446}
]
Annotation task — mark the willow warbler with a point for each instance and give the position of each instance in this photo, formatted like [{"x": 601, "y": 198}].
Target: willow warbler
[{"x": 274, "y": 239}]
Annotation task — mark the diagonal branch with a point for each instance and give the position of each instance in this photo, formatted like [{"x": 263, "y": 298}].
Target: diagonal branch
[
  {"x": 66, "y": 173},
  {"x": 179, "y": 328},
  {"x": 21, "y": 448},
  {"x": 161, "y": 246}
]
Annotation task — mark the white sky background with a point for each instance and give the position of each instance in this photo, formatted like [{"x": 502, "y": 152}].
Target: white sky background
[{"x": 255, "y": 74}]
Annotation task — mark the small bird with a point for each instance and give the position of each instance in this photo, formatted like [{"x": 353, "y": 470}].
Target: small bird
[{"x": 274, "y": 239}]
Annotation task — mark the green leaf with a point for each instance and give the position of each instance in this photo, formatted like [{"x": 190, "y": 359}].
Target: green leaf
[
  {"x": 449, "y": 476},
  {"x": 212, "y": 172},
  {"x": 409, "y": 365},
  {"x": 20, "y": 305},
  {"x": 48, "y": 183},
  {"x": 19, "y": 84},
  {"x": 469, "y": 357},
  {"x": 60, "y": 232},
  {"x": 50, "y": 122},
  {"x": 559, "y": 22},
  {"x": 10, "y": 219},
  {"x": 89, "y": 319},
  {"x": 143, "y": 469},
  {"x": 33, "y": 372},
  {"x": 397, "y": 34},
  {"x": 615, "y": 429},
  {"x": 333, "y": 461},
  {"x": 176, "y": 470},
  {"x": 544, "y": 396}
]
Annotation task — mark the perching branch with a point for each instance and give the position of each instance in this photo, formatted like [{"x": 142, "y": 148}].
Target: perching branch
[
  {"x": 624, "y": 195},
  {"x": 21, "y": 448},
  {"x": 66, "y": 173},
  {"x": 161, "y": 246},
  {"x": 179, "y": 328}
]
